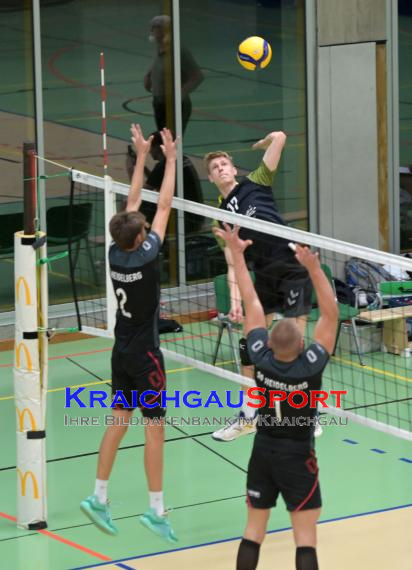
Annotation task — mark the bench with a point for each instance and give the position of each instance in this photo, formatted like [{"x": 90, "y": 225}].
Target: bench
[{"x": 395, "y": 334}]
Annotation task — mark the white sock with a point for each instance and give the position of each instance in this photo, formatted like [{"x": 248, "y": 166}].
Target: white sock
[
  {"x": 247, "y": 410},
  {"x": 156, "y": 502},
  {"x": 100, "y": 490}
]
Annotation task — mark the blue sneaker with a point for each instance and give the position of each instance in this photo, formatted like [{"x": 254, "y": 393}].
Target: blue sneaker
[
  {"x": 160, "y": 525},
  {"x": 99, "y": 514}
]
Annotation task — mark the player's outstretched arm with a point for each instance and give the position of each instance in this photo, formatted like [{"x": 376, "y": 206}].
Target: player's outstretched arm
[
  {"x": 142, "y": 148},
  {"x": 167, "y": 188},
  {"x": 326, "y": 327},
  {"x": 254, "y": 315},
  {"x": 272, "y": 144}
]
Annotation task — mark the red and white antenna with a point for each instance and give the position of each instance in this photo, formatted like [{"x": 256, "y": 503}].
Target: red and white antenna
[{"x": 104, "y": 122}]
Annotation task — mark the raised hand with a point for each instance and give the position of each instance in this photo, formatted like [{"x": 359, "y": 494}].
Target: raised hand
[
  {"x": 232, "y": 239},
  {"x": 266, "y": 142},
  {"x": 309, "y": 259},
  {"x": 141, "y": 145},
  {"x": 169, "y": 146}
]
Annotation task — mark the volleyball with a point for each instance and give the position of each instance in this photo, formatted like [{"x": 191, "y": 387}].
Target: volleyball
[{"x": 254, "y": 52}]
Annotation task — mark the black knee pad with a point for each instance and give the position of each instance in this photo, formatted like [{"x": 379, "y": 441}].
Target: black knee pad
[{"x": 244, "y": 353}]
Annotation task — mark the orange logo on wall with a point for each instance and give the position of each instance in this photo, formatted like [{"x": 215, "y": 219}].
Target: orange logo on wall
[
  {"x": 21, "y": 346},
  {"x": 27, "y": 295},
  {"x": 20, "y": 418},
  {"x": 23, "y": 483}
]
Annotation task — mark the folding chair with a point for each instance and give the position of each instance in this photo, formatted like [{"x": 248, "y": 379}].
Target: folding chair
[{"x": 224, "y": 323}]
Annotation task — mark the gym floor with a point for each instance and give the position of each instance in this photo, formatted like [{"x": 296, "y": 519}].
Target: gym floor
[{"x": 365, "y": 478}]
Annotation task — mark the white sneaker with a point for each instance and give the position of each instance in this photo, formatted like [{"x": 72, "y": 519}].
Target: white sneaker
[
  {"x": 239, "y": 426},
  {"x": 318, "y": 430}
]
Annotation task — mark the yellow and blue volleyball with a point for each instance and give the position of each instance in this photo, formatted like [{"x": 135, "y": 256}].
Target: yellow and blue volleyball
[{"x": 254, "y": 52}]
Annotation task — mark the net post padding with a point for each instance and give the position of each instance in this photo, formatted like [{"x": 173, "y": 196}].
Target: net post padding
[
  {"x": 29, "y": 390},
  {"x": 30, "y": 357}
]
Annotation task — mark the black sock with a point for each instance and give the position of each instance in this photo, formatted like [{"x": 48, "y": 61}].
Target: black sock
[
  {"x": 306, "y": 558},
  {"x": 247, "y": 555}
]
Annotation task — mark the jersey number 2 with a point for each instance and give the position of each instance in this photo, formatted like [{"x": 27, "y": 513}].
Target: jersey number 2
[{"x": 121, "y": 294}]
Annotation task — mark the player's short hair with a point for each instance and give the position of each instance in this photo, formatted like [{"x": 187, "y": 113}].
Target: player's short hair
[
  {"x": 286, "y": 337},
  {"x": 125, "y": 227},
  {"x": 216, "y": 154}
]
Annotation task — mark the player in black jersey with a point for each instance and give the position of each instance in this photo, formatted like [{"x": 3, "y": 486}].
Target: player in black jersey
[
  {"x": 137, "y": 362},
  {"x": 282, "y": 284},
  {"x": 283, "y": 460}
]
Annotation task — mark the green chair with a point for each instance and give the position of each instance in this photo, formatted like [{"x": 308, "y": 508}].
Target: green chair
[
  {"x": 346, "y": 313},
  {"x": 222, "y": 295}
]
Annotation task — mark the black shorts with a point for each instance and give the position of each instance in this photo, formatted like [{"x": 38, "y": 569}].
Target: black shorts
[
  {"x": 284, "y": 287},
  {"x": 284, "y": 466},
  {"x": 141, "y": 372}
]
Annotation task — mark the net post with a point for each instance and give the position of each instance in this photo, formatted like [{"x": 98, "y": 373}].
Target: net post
[
  {"x": 29, "y": 187},
  {"x": 30, "y": 358}
]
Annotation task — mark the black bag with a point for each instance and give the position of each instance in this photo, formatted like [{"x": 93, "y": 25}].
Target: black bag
[
  {"x": 169, "y": 325},
  {"x": 344, "y": 293}
]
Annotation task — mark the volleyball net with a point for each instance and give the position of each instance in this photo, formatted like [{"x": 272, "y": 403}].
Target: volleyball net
[{"x": 372, "y": 357}]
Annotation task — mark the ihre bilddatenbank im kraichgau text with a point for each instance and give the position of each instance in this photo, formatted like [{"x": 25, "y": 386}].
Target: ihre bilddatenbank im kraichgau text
[{"x": 258, "y": 397}]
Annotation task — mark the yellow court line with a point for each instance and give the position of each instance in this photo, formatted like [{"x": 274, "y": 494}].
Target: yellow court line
[
  {"x": 100, "y": 382},
  {"x": 372, "y": 369},
  {"x": 189, "y": 368}
]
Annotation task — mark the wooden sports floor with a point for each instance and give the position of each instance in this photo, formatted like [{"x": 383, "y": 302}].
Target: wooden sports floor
[{"x": 366, "y": 479}]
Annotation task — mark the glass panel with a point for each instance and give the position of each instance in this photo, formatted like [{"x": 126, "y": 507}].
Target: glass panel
[
  {"x": 234, "y": 107},
  {"x": 405, "y": 123},
  {"x": 17, "y": 120},
  {"x": 73, "y": 35}
]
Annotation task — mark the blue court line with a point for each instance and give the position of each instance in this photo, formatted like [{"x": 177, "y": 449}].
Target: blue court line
[
  {"x": 358, "y": 515},
  {"x": 376, "y": 450}
]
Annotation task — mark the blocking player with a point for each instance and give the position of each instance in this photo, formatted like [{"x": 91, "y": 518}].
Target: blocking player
[
  {"x": 283, "y": 459},
  {"x": 282, "y": 284},
  {"x": 137, "y": 362}
]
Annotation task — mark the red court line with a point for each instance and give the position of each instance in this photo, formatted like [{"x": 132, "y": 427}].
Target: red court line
[
  {"x": 65, "y": 541},
  {"x": 54, "y": 70},
  {"x": 85, "y": 353}
]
